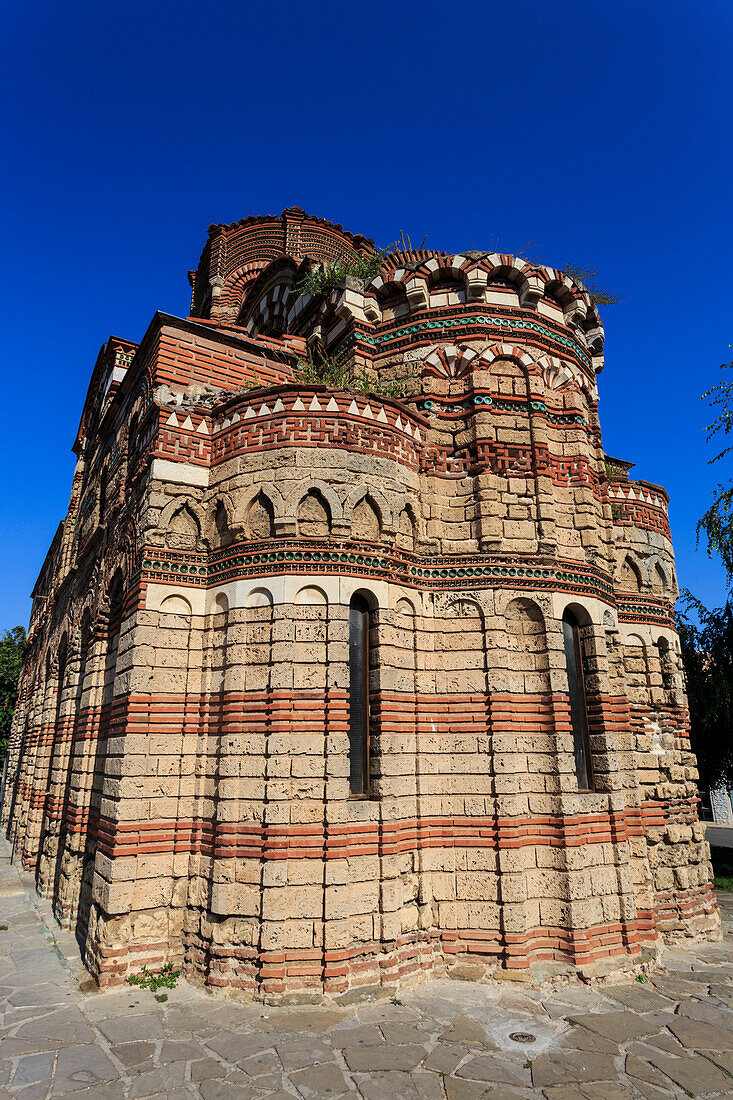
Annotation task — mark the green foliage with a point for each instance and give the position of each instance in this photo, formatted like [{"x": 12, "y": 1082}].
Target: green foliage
[
  {"x": 165, "y": 978},
  {"x": 717, "y": 522},
  {"x": 323, "y": 370},
  {"x": 369, "y": 383},
  {"x": 325, "y": 277},
  {"x": 587, "y": 279},
  {"x": 707, "y": 654},
  {"x": 12, "y": 646}
]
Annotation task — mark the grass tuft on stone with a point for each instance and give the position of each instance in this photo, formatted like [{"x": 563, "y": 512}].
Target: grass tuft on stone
[{"x": 165, "y": 978}]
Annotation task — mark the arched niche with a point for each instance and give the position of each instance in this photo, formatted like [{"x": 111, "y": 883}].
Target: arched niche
[
  {"x": 260, "y": 597},
  {"x": 176, "y": 604},
  {"x": 311, "y": 596},
  {"x": 314, "y": 515}
]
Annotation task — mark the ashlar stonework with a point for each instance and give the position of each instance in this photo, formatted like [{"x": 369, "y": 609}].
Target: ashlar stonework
[{"x": 326, "y": 688}]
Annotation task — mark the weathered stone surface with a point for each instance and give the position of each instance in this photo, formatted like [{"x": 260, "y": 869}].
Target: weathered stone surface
[
  {"x": 385, "y": 1057},
  {"x": 466, "y": 1031},
  {"x": 31, "y": 1069},
  {"x": 82, "y": 1068},
  {"x": 695, "y": 1075},
  {"x": 698, "y": 1036},
  {"x": 571, "y": 1066},
  {"x": 491, "y": 1068},
  {"x": 246, "y": 1051},
  {"x": 619, "y": 1027},
  {"x": 639, "y": 998},
  {"x": 445, "y": 1057},
  {"x": 323, "y": 1081}
]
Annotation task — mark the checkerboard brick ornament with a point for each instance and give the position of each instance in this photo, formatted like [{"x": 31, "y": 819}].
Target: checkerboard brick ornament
[{"x": 327, "y": 688}]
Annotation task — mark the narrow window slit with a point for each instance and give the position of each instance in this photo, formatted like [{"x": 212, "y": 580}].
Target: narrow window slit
[
  {"x": 359, "y": 703},
  {"x": 578, "y": 704}
]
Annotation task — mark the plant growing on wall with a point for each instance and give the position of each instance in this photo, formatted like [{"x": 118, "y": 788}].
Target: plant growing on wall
[
  {"x": 325, "y": 276},
  {"x": 326, "y": 370}
]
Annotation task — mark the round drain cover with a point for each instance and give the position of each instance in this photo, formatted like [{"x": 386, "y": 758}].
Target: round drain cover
[{"x": 522, "y": 1037}]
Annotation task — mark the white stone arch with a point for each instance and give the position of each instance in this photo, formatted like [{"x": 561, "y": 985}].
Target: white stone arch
[
  {"x": 461, "y": 603},
  {"x": 358, "y": 494},
  {"x": 503, "y": 597},
  {"x": 259, "y": 597},
  {"x": 308, "y": 485},
  {"x": 509, "y": 351},
  {"x": 584, "y": 611},
  {"x": 221, "y": 603},
  {"x": 520, "y": 273},
  {"x": 176, "y": 604},
  {"x": 311, "y": 595}
]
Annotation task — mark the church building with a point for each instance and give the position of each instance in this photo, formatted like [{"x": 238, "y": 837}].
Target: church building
[{"x": 355, "y": 658}]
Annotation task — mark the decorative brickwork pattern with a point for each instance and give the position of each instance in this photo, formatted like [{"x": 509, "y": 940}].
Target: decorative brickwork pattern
[{"x": 180, "y": 774}]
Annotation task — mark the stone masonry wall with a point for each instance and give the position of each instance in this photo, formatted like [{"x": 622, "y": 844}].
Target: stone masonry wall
[{"x": 179, "y": 774}]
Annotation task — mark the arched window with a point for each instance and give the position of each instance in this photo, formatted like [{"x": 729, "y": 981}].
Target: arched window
[
  {"x": 578, "y": 706},
  {"x": 359, "y": 622}
]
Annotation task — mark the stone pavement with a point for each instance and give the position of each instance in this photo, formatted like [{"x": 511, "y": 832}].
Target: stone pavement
[{"x": 671, "y": 1036}]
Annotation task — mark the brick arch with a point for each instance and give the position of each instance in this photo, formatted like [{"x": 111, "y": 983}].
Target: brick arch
[
  {"x": 266, "y": 301},
  {"x": 450, "y": 361},
  {"x": 509, "y": 351},
  {"x": 233, "y": 293},
  {"x": 512, "y": 269}
]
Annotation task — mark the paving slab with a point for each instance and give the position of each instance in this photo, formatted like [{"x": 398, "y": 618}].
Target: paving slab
[
  {"x": 569, "y": 1067},
  {"x": 620, "y": 1027},
  {"x": 323, "y": 1081},
  {"x": 700, "y": 1036},
  {"x": 697, "y": 1076},
  {"x": 385, "y": 1057}
]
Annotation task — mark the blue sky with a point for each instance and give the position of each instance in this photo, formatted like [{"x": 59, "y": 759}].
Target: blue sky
[{"x": 600, "y": 131}]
